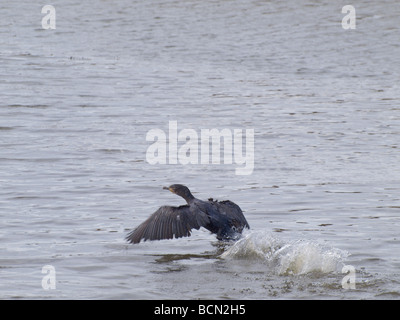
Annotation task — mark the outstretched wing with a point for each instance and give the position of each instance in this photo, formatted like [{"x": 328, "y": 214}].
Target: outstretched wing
[{"x": 168, "y": 222}]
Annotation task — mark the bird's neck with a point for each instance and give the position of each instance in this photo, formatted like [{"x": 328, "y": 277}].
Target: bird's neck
[{"x": 188, "y": 197}]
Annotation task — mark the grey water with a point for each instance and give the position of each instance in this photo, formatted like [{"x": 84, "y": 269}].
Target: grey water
[{"x": 76, "y": 104}]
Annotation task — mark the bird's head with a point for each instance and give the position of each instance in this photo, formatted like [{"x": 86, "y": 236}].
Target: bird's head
[{"x": 180, "y": 190}]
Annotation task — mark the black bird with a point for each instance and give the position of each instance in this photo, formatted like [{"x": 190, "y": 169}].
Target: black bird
[{"x": 224, "y": 218}]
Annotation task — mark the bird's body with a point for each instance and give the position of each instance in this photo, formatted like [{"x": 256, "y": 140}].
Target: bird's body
[{"x": 224, "y": 218}]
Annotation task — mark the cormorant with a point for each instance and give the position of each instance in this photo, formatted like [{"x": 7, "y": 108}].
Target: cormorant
[{"x": 224, "y": 218}]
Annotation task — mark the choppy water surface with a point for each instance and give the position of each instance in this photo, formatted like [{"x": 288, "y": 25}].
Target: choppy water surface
[{"x": 76, "y": 104}]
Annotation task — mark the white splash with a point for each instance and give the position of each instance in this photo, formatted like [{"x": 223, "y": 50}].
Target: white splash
[{"x": 287, "y": 257}]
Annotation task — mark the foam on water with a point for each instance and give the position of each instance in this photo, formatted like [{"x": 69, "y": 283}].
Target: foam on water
[{"x": 287, "y": 257}]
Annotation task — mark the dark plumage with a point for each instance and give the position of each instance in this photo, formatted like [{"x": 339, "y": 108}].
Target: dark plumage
[{"x": 224, "y": 218}]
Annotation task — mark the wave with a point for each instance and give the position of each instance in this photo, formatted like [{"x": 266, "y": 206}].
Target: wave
[{"x": 284, "y": 257}]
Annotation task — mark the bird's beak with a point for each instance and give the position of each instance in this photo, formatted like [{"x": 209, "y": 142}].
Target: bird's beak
[{"x": 167, "y": 188}]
